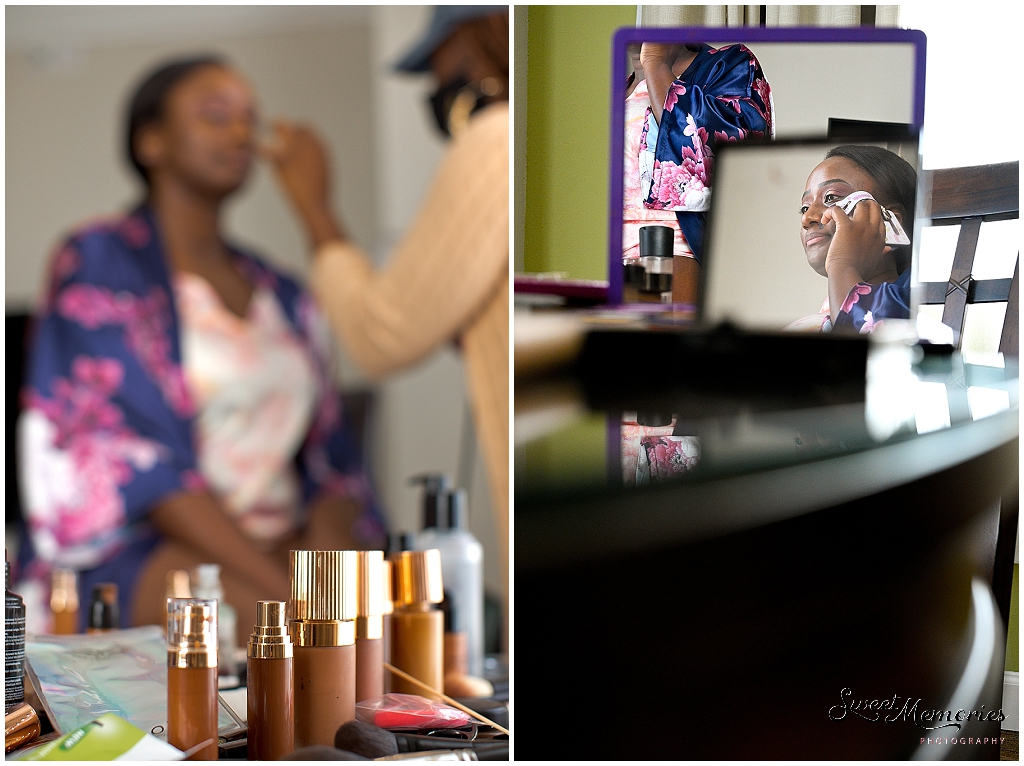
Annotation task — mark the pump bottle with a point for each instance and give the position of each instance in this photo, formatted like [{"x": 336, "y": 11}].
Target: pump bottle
[{"x": 462, "y": 572}]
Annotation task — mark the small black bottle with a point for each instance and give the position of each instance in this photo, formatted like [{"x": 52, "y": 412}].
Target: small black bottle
[
  {"x": 14, "y": 644},
  {"x": 104, "y": 612}
]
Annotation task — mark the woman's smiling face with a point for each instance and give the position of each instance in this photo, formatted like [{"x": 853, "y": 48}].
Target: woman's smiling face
[{"x": 831, "y": 181}]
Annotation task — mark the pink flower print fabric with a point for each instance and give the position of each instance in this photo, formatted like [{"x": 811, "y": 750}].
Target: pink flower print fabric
[
  {"x": 110, "y": 424},
  {"x": 637, "y": 178}
]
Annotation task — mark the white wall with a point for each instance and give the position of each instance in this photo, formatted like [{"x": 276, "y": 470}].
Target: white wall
[{"x": 69, "y": 71}]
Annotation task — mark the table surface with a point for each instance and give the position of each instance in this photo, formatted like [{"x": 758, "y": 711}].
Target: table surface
[{"x": 759, "y": 457}]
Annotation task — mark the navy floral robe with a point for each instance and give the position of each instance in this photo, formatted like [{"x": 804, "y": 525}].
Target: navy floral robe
[
  {"x": 722, "y": 96},
  {"x": 107, "y": 426}
]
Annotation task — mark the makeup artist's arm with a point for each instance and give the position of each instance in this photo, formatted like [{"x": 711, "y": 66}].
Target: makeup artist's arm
[
  {"x": 657, "y": 60},
  {"x": 858, "y": 252},
  {"x": 197, "y": 521},
  {"x": 445, "y": 269}
]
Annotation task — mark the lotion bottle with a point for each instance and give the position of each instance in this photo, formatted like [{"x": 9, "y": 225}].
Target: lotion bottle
[
  {"x": 462, "y": 569},
  {"x": 322, "y": 611},
  {"x": 270, "y": 701},
  {"x": 206, "y": 584},
  {"x": 417, "y": 640},
  {"x": 192, "y": 676}
]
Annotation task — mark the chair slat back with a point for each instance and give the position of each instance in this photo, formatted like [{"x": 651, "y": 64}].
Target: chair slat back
[{"x": 970, "y": 196}]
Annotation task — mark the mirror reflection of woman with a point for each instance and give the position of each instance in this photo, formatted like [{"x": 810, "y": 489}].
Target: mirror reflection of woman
[
  {"x": 699, "y": 96},
  {"x": 180, "y": 407},
  {"x": 868, "y": 280},
  {"x": 638, "y": 164}
]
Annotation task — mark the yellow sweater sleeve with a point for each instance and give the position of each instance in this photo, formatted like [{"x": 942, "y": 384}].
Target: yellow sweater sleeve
[{"x": 442, "y": 273}]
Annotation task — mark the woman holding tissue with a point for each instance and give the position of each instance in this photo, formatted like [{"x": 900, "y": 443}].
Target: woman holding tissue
[
  {"x": 868, "y": 279},
  {"x": 447, "y": 279},
  {"x": 179, "y": 401}
]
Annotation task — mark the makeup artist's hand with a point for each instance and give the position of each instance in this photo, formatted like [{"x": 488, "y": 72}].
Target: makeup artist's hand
[{"x": 303, "y": 171}]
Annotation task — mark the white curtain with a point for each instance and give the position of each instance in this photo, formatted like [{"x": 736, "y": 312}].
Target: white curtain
[{"x": 775, "y": 15}]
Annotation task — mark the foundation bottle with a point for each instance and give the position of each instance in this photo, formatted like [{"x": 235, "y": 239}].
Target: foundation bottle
[
  {"x": 387, "y": 610},
  {"x": 192, "y": 676},
  {"x": 417, "y": 640},
  {"x": 64, "y": 601},
  {"x": 271, "y": 698},
  {"x": 370, "y": 626},
  {"x": 322, "y": 614}
]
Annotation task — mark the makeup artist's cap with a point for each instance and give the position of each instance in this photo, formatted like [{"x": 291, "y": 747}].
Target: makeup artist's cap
[{"x": 446, "y": 19}]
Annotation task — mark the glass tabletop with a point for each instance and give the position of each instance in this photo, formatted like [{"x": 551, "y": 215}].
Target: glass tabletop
[{"x": 565, "y": 447}]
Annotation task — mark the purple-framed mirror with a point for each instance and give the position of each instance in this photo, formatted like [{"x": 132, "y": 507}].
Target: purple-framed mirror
[{"x": 847, "y": 76}]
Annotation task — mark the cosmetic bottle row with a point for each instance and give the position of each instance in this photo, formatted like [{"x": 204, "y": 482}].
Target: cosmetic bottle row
[{"x": 312, "y": 658}]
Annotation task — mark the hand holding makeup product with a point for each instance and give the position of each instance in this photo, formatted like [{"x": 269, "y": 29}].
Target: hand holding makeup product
[{"x": 894, "y": 233}]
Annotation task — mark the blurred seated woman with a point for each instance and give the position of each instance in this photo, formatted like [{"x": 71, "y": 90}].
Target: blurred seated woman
[
  {"x": 179, "y": 401},
  {"x": 868, "y": 280}
]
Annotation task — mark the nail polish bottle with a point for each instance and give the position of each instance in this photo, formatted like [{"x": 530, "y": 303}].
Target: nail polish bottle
[
  {"x": 64, "y": 601},
  {"x": 322, "y": 613},
  {"x": 192, "y": 676},
  {"x": 370, "y": 626},
  {"x": 417, "y": 626},
  {"x": 104, "y": 611},
  {"x": 14, "y": 644},
  {"x": 271, "y": 691}
]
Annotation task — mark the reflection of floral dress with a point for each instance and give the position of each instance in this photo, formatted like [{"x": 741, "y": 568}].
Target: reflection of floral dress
[
  {"x": 114, "y": 422},
  {"x": 864, "y": 309},
  {"x": 721, "y": 96},
  {"x": 634, "y": 213},
  {"x": 651, "y": 453}
]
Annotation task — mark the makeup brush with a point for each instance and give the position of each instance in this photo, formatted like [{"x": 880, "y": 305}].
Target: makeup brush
[
  {"x": 322, "y": 753},
  {"x": 374, "y": 742}
]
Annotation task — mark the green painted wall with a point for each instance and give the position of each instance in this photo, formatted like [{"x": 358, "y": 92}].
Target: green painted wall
[{"x": 567, "y": 115}]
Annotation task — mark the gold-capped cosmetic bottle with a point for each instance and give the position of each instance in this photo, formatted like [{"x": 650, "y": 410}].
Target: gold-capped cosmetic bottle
[
  {"x": 388, "y": 610},
  {"x": 417, "y": 627},
  {"x": 64, "y": 601},
  {"x": 370, "y": 626},
  {"x": 192, "y": 676},
  {"x": 271, "y": 697},
  {"x": 322, "y": 613}
]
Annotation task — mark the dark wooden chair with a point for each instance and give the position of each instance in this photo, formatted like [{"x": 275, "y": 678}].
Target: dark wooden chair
[{"x": 970, "y": 196}]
